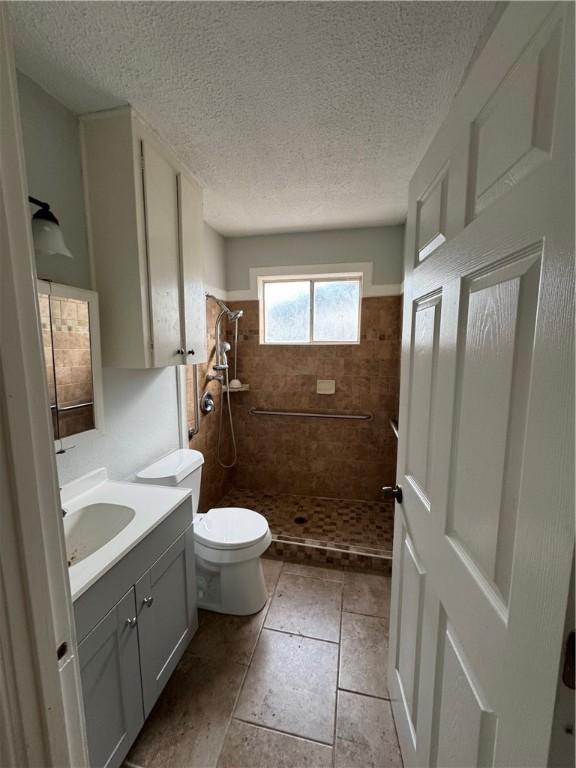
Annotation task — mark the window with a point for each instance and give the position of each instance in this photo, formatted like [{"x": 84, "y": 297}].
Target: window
[{"x": 316, "y": 310}]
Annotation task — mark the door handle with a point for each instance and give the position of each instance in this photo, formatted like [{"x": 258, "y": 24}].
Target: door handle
[
  {"x": 148, "y": 600},
  {"x": 132, "y": 622},
  {"x": 190, "y": 351},
  {"x": 180, "y": 351},
  {"x": 393, "y": 492}
]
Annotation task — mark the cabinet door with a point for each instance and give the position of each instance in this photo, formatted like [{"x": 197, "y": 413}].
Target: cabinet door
[
  {"x": 192, "y": 269},
  {"x": 167, "y": 620},
  {"x": 110, "y": 670},
  {"x": 163, "y": 254}
]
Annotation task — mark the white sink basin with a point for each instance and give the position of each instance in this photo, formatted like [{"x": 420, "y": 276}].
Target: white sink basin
[
  {"x": 105, "y": 519},
  {"x": 90, "y": 527}
]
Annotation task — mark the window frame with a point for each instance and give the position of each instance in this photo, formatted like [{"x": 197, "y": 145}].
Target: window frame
[{"x": 312, "y": 279}]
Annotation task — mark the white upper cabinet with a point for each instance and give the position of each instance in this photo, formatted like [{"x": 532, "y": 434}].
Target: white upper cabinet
[
  {"x": 192, "y": 270},
  {"x": 145, "y": 220}
]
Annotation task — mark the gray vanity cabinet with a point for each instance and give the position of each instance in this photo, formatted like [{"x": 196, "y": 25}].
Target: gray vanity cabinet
[
  {"x": 127, "y": 657},
  {"x": 165, "y": 599},
  {"x": 110, "y": 668}
]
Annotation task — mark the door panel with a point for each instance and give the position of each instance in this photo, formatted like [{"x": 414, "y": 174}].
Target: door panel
[
  {"x": 513, "y": 133},
  {"x": 409, "y": 630},
  {"x": 110, "y": 671},
  {"x": 484, "y": 537},
  {"x": 431, "y": 217},
  {"x": 465, "y": 728},
  {"x": 498, "y": 313},
  {"x": 425, "y": 337},
  {"x": 166, "y": 597}
]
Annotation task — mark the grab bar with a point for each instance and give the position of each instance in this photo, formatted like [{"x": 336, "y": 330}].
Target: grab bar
[
  {"x": 70, "y": 407},
  {"x": 313, "y": 415}
]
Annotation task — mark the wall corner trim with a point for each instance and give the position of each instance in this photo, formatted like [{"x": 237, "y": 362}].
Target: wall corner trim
[{"x": 370, "y": 289}]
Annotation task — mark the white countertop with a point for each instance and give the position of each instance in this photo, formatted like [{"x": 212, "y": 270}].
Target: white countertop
[{"x": 151, "y": 504}]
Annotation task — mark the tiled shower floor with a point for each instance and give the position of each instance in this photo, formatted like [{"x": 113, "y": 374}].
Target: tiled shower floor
[{"x": 317, "y": 530}]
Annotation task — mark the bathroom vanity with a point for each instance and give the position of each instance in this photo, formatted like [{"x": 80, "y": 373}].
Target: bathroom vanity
[{"x": 134, "y": 601}]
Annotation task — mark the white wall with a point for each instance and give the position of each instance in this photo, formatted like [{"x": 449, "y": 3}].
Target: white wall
[
  {"x": 140, "y": 425},
  {"x": 52, "y": 149},
  {"x": 140, "y": 407},
  {"x": 381, "y": 247},
  {"x": 214, "y": 262}
]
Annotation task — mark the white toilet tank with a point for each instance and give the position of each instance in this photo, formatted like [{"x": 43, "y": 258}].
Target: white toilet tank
[{"x": 182, "y": 468}]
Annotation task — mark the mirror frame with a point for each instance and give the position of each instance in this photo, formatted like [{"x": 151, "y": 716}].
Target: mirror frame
[{"x": 58, "y": 290}]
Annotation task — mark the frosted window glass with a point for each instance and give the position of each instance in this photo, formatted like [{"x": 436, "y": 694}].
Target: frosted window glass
[
  {"x": 287, "y": 312},
  {"x": 336, "y": 313}
]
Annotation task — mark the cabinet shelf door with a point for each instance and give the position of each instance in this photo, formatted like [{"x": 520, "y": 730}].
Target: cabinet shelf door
[
  {"x": 110, "y": 670},
  {"x": 167, "y": 620}
]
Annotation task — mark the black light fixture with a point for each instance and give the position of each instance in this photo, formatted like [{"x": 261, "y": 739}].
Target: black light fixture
[{"x": 48, "y": 237}]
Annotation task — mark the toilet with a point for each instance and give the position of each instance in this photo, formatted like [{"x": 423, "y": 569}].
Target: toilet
[{"x": 228, "y": 541}]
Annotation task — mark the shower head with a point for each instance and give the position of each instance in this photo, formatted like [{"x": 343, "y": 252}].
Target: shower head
[{"x": 230, "y": 313}]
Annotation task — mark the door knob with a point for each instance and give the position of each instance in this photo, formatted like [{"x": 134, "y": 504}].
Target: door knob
[
  {"x": 148, "y": 600},
  {"x": 394, "y": 492},
  {"x": 132, "y": 622}
]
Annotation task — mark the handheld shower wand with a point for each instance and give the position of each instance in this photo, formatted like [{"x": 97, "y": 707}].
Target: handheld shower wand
[{"x": 221, "y": 366}]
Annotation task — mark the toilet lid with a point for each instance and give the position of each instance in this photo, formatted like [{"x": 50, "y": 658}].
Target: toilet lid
[{"x": 230, "y": 528}]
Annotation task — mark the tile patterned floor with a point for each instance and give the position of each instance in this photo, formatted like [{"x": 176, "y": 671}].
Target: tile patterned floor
[
  {"x": 290, "y": 687},
  {"x": 337, "y": 532}
]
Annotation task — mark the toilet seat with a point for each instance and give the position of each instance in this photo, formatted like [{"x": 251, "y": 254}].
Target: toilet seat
[{"x": 226, "y": 528}]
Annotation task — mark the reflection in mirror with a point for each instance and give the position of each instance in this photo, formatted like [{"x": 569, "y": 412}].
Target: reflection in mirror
[
  {"x": 44, "y": 305},
  {"x": 70, "y": 338},
  {"x": 72, "y": 365}
]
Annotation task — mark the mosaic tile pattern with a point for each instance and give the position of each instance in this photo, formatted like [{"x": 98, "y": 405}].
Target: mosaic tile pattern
[{"x": 334, "y": 532}]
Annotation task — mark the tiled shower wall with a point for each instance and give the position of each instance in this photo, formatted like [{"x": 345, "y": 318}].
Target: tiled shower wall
[
  {"x": 319, "y": 457},
  {"x": 215, "y": 479}
]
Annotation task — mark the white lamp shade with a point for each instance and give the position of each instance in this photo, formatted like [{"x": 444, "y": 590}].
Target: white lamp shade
[{"x": 48, "y": 239}]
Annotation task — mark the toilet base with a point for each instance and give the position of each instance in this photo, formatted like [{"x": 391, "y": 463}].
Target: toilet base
[{"x": 234, "y": 588}]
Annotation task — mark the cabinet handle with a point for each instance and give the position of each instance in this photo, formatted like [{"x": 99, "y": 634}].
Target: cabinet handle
[
  {"x": 190, "y": 351},
  {"x": 132, "y": 622},
  {"x": 180, "y": 351},
  {"x": 148, "y": 600}
]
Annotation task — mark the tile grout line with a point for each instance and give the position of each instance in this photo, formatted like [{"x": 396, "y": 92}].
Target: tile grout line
[
  {"x": 299, "y": 634},
  {"x": 284, "y": 733},
  {"x": 337, "y": 679},
  {"x": 367, "y": 695},
  {"x": 241, "y": 686},
  {"x": 368, "y": 615}
]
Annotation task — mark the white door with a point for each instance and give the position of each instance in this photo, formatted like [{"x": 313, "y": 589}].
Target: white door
[{"x": 484, "y": 537}]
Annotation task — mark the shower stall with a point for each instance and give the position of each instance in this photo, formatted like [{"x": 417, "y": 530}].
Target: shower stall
[{"x": 313, "y": 465}]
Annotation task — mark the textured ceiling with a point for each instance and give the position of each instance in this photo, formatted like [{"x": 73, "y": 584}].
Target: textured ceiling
[{"x": 294, "y": 115}]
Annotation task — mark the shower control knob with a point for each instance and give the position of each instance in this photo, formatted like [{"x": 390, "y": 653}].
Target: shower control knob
[{"x": 394, "y": 492}]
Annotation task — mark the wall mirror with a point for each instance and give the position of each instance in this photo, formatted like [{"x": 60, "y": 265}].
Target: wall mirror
[{"x": 71, "y": 342}]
